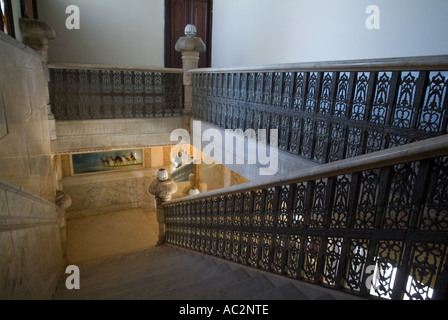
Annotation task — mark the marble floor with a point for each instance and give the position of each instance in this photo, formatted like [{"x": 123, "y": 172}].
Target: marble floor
[
  {"x": 113, "y": 213},
  {"x": 110, "y": 234}
]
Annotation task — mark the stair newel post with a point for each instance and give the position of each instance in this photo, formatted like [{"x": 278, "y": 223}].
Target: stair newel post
[
  {"x": 190, "y": 46},
  {"x": 162, "y": 188}
]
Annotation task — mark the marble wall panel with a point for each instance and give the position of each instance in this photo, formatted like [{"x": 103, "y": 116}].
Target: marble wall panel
[
  {"x": 4, "y": 211},
  {"x": 34, "y": 252},
  {"x": 25, "y": 150},
  {"x": 31, "y": 257},
  {"x": 8, "y": 266},
  {"x": 3, "y": 124},
  {"x": 36, "y": 79},
  {"x": 107, "y": 193},
  {"x": 104, "y": 192},
  {"x": 16, "y": 97},
  {"x": 78, "y": 135},
  {"x": 30, "y": 246}
]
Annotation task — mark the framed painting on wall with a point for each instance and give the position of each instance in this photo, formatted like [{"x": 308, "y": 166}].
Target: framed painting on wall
[{"x": 107, "y": 161}]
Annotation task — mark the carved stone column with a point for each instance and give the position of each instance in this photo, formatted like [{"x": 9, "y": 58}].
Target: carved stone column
[
  {"x": 63, "y": 201},
  {"x": 36, "y": 35},
  {"x": 190, "y": 46},
  {"x": 162, "y": 188}
]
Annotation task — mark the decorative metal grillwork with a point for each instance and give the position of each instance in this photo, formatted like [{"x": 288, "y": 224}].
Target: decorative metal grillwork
[
  {"x": 378, "y": 232},
  {"x": 372, "y": 233},
  {"x": 327, "y": 116},
  {"x": 82, "y": 94}
]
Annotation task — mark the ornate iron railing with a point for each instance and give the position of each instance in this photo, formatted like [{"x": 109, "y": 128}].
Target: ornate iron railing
[
  {"x": 372, "y": 220},
  {"x": 88, "y": 92},
  {"x": 330, "y": 111},
  {"x": 375, "y": 225}
]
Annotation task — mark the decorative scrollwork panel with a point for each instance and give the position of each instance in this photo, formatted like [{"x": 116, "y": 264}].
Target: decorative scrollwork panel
[
  {"x": 426, "y": 262},
  {"x": 103, "y": 94}
]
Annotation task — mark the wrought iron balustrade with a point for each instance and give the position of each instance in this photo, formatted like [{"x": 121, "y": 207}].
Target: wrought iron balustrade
[
  {"x": 375, "y": 226},
  {"x": 330, "y": 111},
  {"x": 83, "y": 93}
]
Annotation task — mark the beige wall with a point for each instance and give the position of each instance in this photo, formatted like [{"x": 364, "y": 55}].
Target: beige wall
[
  {"x": 31, "y": 257},
  {"x": 257, "y": 32},
  {"x": 25, "y": 154}
]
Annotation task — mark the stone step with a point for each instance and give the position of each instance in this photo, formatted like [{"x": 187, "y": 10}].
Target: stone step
[
  {"x": 153, "y": 291},
  {"x": 149, "y": 257},
  {"x": 284, "y": 292},
  {"x": 195, "y": 290},
  {"x": 172, "y": 273},
  {"x": 123, "y": 276},
  {"x": 132, "y": 266},
  {"x": 153, "y": 284},
  {"x": 240, "y": 290}
]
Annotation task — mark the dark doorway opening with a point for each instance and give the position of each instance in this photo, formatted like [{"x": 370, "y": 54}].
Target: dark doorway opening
[{"x": 179, "y": 13}]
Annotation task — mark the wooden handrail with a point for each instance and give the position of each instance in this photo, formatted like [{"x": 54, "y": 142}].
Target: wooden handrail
[
  {"x": 77, "y": 66},
  {"x": 428, "y": 148},
  {"x": 438, "y": 63}
]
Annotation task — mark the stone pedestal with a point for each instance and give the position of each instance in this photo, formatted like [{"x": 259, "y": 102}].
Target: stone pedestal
[
  {"x": 190, "y": 46},
  {"x": 162, "y": 188},
  {"x": 194, "y": 187},
  {"x": 36, "y": 35}
]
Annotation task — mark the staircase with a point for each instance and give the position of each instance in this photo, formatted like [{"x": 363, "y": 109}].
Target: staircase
[{"x": 172, "y": 273}]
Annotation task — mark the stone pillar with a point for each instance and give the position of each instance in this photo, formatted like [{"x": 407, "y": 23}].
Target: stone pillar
[
  {"x": 63, "y": 201},
  {"x": 190, "y": 46},
  {"x": 162, "y": 188},
  {"x": 36, "y": 35}
]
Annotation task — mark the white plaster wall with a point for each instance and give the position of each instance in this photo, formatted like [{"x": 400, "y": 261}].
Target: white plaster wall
[
  {"x": 256, "y": 32},
  {"x": 112, "y": 32}
]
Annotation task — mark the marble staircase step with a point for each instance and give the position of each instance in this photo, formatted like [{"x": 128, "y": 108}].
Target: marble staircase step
[
  {"x": 119, "y": 275},
  {"x": 158, "y": 289},
  {"x": 139, "y": 285},
  {"x": 198, "y": 289},
  {"x": 151, "y": 259},
  {"x": 240, "y": 290},
  {"x": 172, "y": 273}
]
